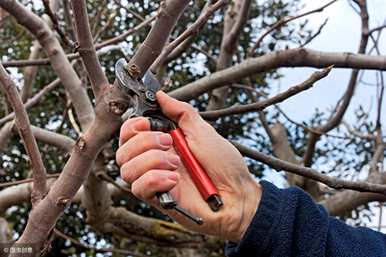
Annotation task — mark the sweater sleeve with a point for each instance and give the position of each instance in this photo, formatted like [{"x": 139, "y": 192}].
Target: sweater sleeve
[{"x": 289, "y": 223}]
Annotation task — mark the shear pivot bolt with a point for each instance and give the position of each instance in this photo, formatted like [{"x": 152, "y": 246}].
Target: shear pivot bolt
[{"x": 150, "y": 96}]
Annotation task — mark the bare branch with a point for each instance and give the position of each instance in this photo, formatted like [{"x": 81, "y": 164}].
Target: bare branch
[
  {"x": 231, "y": 38},
  {"x": 59, "y": 62},
  {"x": 22, "y": 123},
  {"x": 379, "y": 28},
  {"x": 284, "y": 21},
  {"x": 125, "y": 34},
  {"x": 342, "y": 106},
  {"x": 93, "y": 248},
  {"x": 234, "y": 20},
  {"x": 86, "y": 48},
  {"x": 33, "y": 100},
  {"x": 189, "y": 32},
  {"x": 30, "y": 72},
  {"x": 299, "y": 57},
  {"x": 55, "y": 23},
  {"x": 169, "y": 13},
  {"x": 61, "y": 141},
  {"x": 254, "y": 107},
  {"x": 27, "y": 180},
  {"x": 310, "y": 173}
]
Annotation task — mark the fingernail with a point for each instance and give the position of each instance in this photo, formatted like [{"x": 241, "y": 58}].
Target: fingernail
[
  {"x": 173, "y": 176},
  {"x": 174, "y": 159},
  {"x": 165, "y": 139}
]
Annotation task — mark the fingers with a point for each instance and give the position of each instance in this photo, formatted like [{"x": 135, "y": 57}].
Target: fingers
[
  {"x": 182, "y": 113},
  {"x": 152, "y": 182},
  {"x": 149, "y": 160},
  {"x": 131, "y": 127},
  {"x": 142, "y": 142}
]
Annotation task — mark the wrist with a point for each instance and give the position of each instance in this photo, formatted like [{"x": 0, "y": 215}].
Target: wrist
[{"x": 253, "y": 194}]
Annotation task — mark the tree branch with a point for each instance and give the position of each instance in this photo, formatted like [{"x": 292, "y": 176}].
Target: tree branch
[
  {"x": 55, "y": 22},
  {"x": 234, "y": 20},
  {"x": 342, "y": 106},
  {"x": 282, "y": 22},
  {"x": 59, "y": 62},
  {"x": 310, "y": 173},
  {"x": 169, "y": 13},
  {"x": 86, "y": 48},
  {"x": 299, "y": 57},
  {"x": 33, "y": 100},
  {"x": 254, "y": 107},
  {"x": 189, "y": 32},
  {"x": 95, "y": 249},
  {"x": 22, "y": 123}
]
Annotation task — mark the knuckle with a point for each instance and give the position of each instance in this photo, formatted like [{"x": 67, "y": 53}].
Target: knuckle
[
  {"x": 189, "y": 109},
  {"x": 126, "y": 127},
  {"x": 136, "y": 189},
  {"x": 152, "y": 179},
  {"x": 126, "y": 173},
  {"x": 119, "y": 157},
  {"x": 156, "y": 154},
  {"x": 150, "y": 139}
]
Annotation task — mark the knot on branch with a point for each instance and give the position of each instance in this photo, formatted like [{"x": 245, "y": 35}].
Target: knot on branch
[
  {"x": 133, "y": 70},
  {"x": 81, "y": 143},
  {"x": 76, "y": 46},
  {"x": 62, "y": 201},
  {"x": 42, "y": 33},
  {"x": 117, "y": 108}
]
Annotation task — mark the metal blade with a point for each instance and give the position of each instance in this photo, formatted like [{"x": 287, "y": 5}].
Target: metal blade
[{"x": 151, "y": 82}]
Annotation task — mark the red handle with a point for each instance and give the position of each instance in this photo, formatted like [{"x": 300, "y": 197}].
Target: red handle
[{"x": 199, "y": 176}]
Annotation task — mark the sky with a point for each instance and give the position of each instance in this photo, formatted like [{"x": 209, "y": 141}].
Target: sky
[{"x": 341, "y": 34}]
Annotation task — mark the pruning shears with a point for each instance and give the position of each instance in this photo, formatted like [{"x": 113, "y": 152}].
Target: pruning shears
[{"x": 142, "y": 95}]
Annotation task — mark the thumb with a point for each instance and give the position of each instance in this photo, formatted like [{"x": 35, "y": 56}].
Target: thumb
[{"x": 180, "y": 112}]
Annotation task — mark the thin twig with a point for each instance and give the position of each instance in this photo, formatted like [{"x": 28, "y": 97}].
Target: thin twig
[
  {"x": 90, "y": 247},
  {"x": 310, "y": 173},
  {"x": 254, "y": 107},
  {"x": 102, "y": 175},
  {"x": 284, "y": 21},
  {"x": 342, "y": 105},
  {"x": 33, "y": 100},
  {"x": 22, "y": 123},
  {"x": 27, "y": 180},
  {"x": 55, "y": 23}
]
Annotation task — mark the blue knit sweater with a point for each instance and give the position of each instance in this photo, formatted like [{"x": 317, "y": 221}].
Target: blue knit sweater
[{"x": 288, "y": 223}]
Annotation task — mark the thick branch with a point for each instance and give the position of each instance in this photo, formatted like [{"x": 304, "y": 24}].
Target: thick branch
[
  {"x": 30, "y": 145},
  {"x": 254, "y": 107},
  {"x": 234, "y": 21},
  {"x": 299, "y": 57},
  {"x": 169, "y": 13},
  {"x": 86, "y": 47},
  {"x": 61, "y": 141},
  {"x": 76, "y": 170}
]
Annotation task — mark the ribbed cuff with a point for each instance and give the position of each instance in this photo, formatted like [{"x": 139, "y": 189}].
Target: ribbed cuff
[{"x": 258, "y": 237}]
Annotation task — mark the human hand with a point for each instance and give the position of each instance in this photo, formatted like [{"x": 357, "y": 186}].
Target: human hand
[{"x": 149, "y": 162}]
